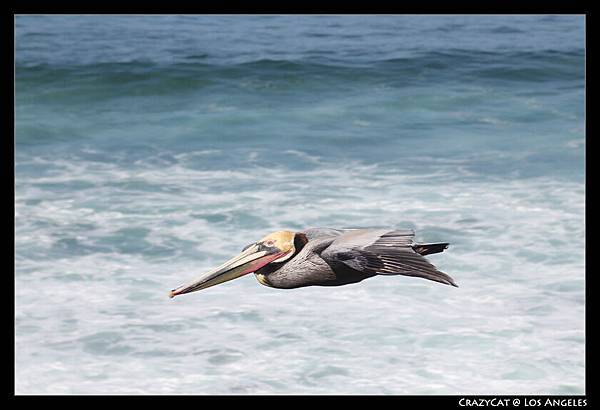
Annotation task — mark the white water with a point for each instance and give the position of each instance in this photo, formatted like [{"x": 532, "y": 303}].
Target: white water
[{"x": 95, "y": 264}]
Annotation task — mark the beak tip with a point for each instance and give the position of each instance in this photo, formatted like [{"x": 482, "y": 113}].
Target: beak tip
[{"x": 172, "y": 294}]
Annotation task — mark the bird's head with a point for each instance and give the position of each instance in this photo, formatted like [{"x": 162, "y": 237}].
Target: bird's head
[{"x": 277, "y": 247}]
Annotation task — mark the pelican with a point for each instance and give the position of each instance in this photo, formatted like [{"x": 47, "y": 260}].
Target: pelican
[{"x": 326, "y": 257}]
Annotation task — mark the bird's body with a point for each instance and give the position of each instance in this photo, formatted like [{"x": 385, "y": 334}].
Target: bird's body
[
  {"x": 327, "y": 257},
  {"x": 333, "y": 257}
]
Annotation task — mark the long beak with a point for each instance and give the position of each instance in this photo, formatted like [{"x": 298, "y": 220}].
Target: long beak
[{"x": 248, "y": 261}]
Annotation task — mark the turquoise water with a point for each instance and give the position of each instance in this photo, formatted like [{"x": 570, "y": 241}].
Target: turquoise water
[{"x": 152, "y": 148}]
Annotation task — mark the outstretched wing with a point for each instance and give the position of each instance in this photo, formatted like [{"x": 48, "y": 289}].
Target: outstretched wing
[
  {"x": 381, "y": 252},
  {"x": 360, "y": 235},
  {"x": 318, "y": 233}
]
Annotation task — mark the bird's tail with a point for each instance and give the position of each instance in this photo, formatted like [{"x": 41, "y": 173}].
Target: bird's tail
[{"x": 429, "y": 248}]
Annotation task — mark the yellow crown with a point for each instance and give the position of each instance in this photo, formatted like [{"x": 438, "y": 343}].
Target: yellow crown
[{"x": 283, "y": 240}]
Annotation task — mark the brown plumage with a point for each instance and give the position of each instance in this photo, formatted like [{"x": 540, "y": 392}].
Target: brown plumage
[
  {"x": 337, "y": 257},
  {"x": 327, "y": 257}
]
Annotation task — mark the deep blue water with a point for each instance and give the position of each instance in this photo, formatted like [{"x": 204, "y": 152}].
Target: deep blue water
[{"x": 150, "y": 148}]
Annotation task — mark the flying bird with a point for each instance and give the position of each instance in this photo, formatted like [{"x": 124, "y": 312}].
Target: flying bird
[{"x": 326, "y": 257}]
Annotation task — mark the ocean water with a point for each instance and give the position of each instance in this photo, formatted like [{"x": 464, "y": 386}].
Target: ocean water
[{"x": 149, "y": 149}]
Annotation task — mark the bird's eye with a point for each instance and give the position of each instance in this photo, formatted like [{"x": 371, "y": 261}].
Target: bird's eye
[{"x": 269, "y": 243}]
